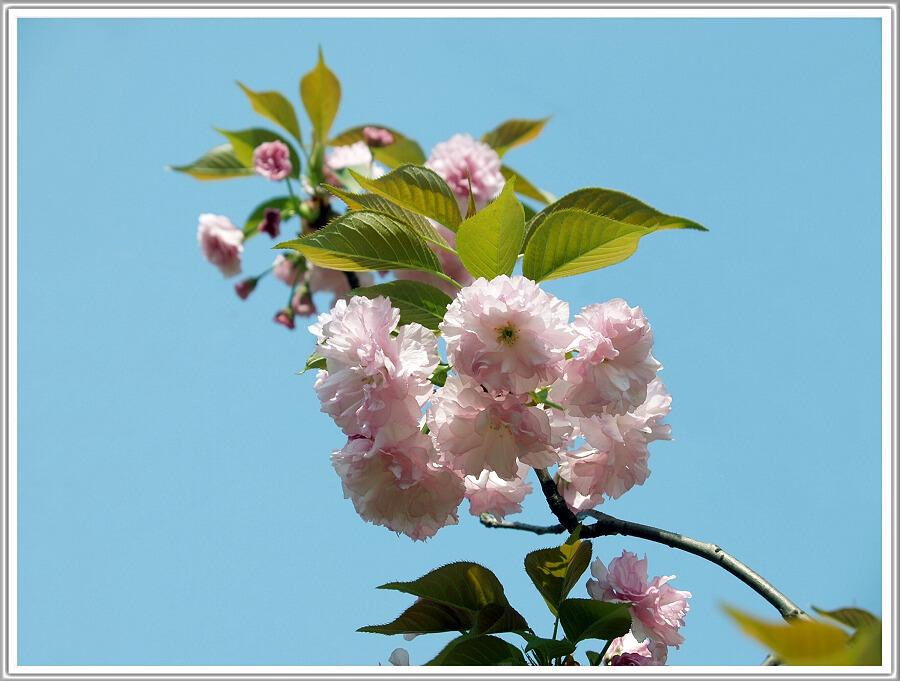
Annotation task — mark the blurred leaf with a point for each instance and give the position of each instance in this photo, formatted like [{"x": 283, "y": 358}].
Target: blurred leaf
[
  {"x": 219, "y": 163},
  {"x": 613, "y": 205},
  {"x": 573, "y": 242},
  {"x": 855, "y": 618},
  {"x": 513, "y": 133},
  {"x": 464, "y": 585},
  {"x": 550, "y": 647},
  {"x": 357, "y": 134},
  {"x": 489, "y": 242},
  {"x": 320, "y": 92},
  {"x": 426, "y": 617},
  {"x": 380, "y": 204},
  {"x": 244, "y": 142},
  {"x": 274, "y": 106},
  {"x": 799, "y": 642},
  {"x": 524, "y": 187},
  {"x": 363, "y": 240},
  {"x": 478, "y": 651},
  {"x": 399, "y": 153},
  {"x": 315, "y": 361},
  {"x": 584, "y": 618},
  {"x": 495, "y": 618},
  {"x": 418, "y": 302},
  {"x": 283, "y": 203},
  {"x": 555, "y": 571},
  {"x": 418, "y": 189}
]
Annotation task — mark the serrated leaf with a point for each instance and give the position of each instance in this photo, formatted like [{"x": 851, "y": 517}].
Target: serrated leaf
[
  {"x": 399, "y": 153},
  {"x": 357, "y": 134},
  {"x": 495, "y": 618},
  {"x": 798, "y": 642},
  {"x": 418, "y": 189},
  {"x": 320, "y": 91},
  {"x": 418, "y": 302},
  {"x": 855, "y": 618},
  {"x": 276, "y": 107},
  {"x": 550, "y": 647},
  {"x": 315, "y": 361},
  {"x": 613, "y": 205},
  {"x": 244, "y": 142},
  {"x": 425, "y": 617},
  {"x": 584, "y": 618},
  {"x": 283, "y": 203},
  {"x": 573, "y": 242},
  {"x": 380, "y": 204},
  {"x": 524, "y": 187},
  {"x": 513, "y": 133},
  {"x": 363, "y": 241},
  {"x": 465, "y": 585},
  {"x": 489, "y": 242},
  {"x": 478, "y": 651},
  {"x": 556, "y": 570},
  {"x": 219, "y": 163}
]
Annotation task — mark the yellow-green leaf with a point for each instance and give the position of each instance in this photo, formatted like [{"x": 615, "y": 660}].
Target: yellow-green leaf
[
  {"x": 276, "y": 107},
  {"x": 513, "y": 133},
  {"x": 489, "y": 242},
  {"x": 855, "y": 618},
  {"x": 525, "y": 188},
  {"x": 219, "y": 163},
  {"x": 244, "y": 143},
  {"x": 357, "y": 134},
  {"x": 555, "y": 571},
  {"x": 320, "y": 91},
  {"x": 584, "y": 618},
  {"x": 418, "y": 189}
]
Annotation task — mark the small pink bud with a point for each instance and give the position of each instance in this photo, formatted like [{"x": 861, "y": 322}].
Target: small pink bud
[
  {"x": 272, "y": 160},
  {"x": 285, "y": 317},
  {"x": 271, "y": 223},
  {"x": 245, "y": 288},
  {"x": 377, "y": 137},
  {"x": 302, "y": 303}
]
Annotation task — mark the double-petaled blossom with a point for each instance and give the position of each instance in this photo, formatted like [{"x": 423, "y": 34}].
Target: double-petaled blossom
[
  {"x": 507, "y": 334},
  {"x": 489, "y": 493},
  {"x": 221, "y": 243},
  {"x": 377, "y": 137},
  {"x": 371, "y": 378},
  {"x": 614, "y": 456},
  {"x": 357, "y": 156},
  {"x": 627, "y": 651},
  {"x": 478, "y": 431},
  {"x": 462, "y": 158},
  {"x": 394, "y": 480},
  {"x": 657, "y": 609},
  {"x": 614, "y": 362},
  {"x": 272, "y": 160}
]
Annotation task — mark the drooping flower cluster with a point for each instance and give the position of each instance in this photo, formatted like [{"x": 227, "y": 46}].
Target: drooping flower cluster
[{"x": 657, "y": 608}]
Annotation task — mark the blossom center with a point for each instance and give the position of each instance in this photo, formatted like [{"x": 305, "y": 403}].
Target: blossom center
[{"x": 507, "y": 334}]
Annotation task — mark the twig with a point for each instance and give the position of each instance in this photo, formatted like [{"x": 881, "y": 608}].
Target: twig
[{"x": 489, "y": 520}]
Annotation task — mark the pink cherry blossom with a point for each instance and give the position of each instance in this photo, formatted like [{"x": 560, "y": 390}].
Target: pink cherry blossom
[
  {"x": 461, "y": 155},
  {"x": 371, "y": 378},
  {"x": 285, "y": 317},
  {"x": 221, "y": 243},
  {"x": 489, "y": 493},
  {"x": 356, "y": 156},
  {"x": 288, "y": 270},
  {"x": 393, "y": 481},
  {"x": 627, "y": 651},
  {"x": 272, "y": 160},
  {"x": 657, "y": 609},
  {"x": 377, "y": 137},
  {"x": 507, "y": 334},
  {"x": 302, "y": 302},
  {"x": 476, "y": 431},
  {"x": 613, "y": 365}
]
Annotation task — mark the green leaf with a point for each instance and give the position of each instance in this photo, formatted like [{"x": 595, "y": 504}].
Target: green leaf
[
  {"x": 555, "y": 571},
  {"x": 613, "y": 205},
  {"x": 283, "y": 203},
  {"x": 357, "y": 134},
  {"x": 495, "y": 618},
  {"x": 439, "y": 377},
  {"x": 489, "y": 242},
  {"x": 512, "y": 133},
  {"x": 315, "y": 361},
  {"x": 524, "y": 187},
  {"x": 550, "y": 647},
  {"x": 365, "y": 240},
  {"x": 798, "y": 642},
  {"x": 418, "y": 189},
  {"x": 418, "y": 302},
  {"x": 320, "y": 92},
  {"x": 584, "y": 618},
  {"x": 855, "y": 618},
  {"x": 219, "y": 163},
  {"x": 380, "y": 204},
  {"x": 465, "y": 585},
  {"x": 244, "y": 142},
  {"x": 478, "y": 651},
  {"x": 399, "y": 153},
  {"x": 426, "y": 617},
  {"x": 276, "y": 107},
  {"x": 573, "y": 242},
  {"x": 595, "y": 659}
]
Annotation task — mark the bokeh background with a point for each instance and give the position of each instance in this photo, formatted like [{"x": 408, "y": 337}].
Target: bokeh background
[{"x": 176, "y": 503}]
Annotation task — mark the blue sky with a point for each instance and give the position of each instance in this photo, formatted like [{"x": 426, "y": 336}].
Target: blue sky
[{"x": 176, "y": 501}]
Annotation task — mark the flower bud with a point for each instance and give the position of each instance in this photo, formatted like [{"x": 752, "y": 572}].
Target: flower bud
[
  {"x": 285, "y": 317},
  {"x": 271, "y": 223},
  {"x": 245, "y": 288},
  {"x": 377, "y": 137}
]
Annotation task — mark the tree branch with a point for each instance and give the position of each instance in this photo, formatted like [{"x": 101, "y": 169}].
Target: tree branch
[
  {"x": 557, "y": 504},
  {"x": 489, "y": 520}
]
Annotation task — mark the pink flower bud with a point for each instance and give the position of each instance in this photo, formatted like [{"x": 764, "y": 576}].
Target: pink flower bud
[
  {"x": 245, "y": 288},
  {"x": 271, "y": 223},
  {"x": 285, "y": 317},
  {"x": 302, "y": 302},
  {"x": 377, "y": 137},
  {"x": 272, "y": 160}
]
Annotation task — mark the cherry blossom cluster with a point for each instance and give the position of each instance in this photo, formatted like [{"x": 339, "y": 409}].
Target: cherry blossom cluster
[{"x": 528, "y": 389}]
